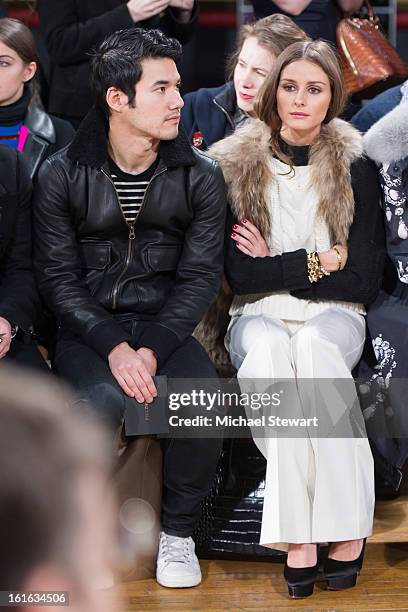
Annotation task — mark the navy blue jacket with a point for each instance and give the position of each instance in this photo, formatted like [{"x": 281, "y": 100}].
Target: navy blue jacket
[
  {"x": 376, "y": 108},
  {"x": 210, "y": 112}
]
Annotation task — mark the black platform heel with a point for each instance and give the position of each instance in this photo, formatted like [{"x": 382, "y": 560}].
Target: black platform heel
[
  {"x": 341, "y": 575},
  {"x": 300, "y": 580}
]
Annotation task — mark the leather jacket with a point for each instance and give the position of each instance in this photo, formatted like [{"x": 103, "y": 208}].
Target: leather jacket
[
  {"x": 46, "y": 135},
  {"x": 19, "y": 300},
  {"x": 95, "y": 270}
]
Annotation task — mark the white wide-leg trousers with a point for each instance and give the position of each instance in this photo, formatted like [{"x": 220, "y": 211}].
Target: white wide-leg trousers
[{"x": 317, "y": 489}]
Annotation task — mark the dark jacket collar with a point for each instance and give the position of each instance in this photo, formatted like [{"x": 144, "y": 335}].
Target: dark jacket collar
[
  {"x": 39, "y": 123},
  {"x": 90, "y": 145},
  {"x": 227, "y": 100}
]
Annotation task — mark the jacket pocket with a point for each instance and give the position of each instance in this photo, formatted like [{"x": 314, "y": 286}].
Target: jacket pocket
[
  {"x": 95, "y": 255},
  {"x": 163, "y": 258}
]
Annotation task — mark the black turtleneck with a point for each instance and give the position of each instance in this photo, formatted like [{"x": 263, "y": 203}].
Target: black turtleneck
[
  {"x": 15, "y": 113},
  {"x": 299, "y": 155}
]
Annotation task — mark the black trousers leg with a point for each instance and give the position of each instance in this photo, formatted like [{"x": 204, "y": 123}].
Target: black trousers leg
[
  {"x": 96, "y": 390},
  {"x": 189, "y": 464},
  {"x": 26, "y": 355}
]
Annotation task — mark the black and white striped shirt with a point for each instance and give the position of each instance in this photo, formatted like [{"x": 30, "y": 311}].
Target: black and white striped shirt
[{"x": 131, "y": 188}]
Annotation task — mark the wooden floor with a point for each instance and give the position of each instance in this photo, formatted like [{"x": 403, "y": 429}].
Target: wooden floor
[
  {"x": 252, "y": 586},
  {"x": 234, "y": 586}
]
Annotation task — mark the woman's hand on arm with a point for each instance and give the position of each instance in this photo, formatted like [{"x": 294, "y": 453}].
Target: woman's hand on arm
[
  {"x": 249, "y": 240},
  {"x": 330, "y": 259},
  {"x": 247, "y": 274}
]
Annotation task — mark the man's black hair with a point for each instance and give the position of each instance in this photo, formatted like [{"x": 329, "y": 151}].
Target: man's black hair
[{"x": 117, "y": 62}]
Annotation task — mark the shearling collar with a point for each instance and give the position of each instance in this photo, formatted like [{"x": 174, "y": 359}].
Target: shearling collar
[
  {"x": 244, "y": 159},
  {"x": 387, "y": 140},
  {"x": 89, "y": 146}
]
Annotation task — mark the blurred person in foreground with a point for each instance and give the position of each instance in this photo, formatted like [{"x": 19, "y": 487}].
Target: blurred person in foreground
[
  {"x": 210, "y": 114},
  {"x": 56, "y": 513},
  {"x": 72, "y": 28}
]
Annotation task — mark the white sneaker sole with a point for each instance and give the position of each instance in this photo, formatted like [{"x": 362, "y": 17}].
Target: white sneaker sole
[{"x": 179, "y": 583}]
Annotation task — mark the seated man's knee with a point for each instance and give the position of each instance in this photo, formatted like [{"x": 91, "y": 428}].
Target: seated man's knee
[
  {"x": 104, "y": 400},
  {"x": 190, "y": 360}
]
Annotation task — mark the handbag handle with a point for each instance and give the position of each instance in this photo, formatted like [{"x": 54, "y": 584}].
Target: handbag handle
[
  {"x": 370, "y": 10},
  {"x": 343, "y": 45},
  {"x": 371, "y": 15}
]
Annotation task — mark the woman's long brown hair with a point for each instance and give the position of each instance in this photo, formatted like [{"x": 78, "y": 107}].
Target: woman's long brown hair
[{"x": 317, "y": 52}]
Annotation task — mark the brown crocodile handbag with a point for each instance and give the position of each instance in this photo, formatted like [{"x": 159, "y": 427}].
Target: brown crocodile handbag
[{"x": 369, "y": 62}]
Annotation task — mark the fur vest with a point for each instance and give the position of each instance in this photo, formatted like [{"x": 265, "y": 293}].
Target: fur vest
[{"x": 243, "y": 158}]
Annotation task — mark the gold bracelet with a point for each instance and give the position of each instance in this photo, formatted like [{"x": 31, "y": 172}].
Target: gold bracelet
[
  {"x": 315, "y": 269},
  {"x": 338, "y": 257}
]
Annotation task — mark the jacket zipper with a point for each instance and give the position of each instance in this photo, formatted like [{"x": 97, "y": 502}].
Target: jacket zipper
[
  {"x": 226, "y": 113},
  {"x": 132, "y": 234}
]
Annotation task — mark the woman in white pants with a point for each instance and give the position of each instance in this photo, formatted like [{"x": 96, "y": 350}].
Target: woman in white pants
[{"x": 304, "y": 254}]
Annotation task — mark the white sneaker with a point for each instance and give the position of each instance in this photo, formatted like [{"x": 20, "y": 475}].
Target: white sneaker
[{"x": 177, "y": 563}]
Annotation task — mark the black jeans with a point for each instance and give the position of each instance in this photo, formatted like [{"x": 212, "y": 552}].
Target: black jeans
[
  {"x": 26, "y": 354},
  {"x": 189, "y": 464}
]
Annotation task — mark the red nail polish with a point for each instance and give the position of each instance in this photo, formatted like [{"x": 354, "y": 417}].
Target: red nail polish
[
  {"x": 244, "y": 220},
  {"x": 235, "y": 227},
  {"x": 233, "y": 235}
]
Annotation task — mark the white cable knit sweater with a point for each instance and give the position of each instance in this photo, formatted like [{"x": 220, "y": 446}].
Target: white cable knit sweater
[{"x": 295, "y": 226}]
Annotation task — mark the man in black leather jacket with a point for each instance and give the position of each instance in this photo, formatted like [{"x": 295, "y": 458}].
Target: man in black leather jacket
[{"x": 129, "y": 223}]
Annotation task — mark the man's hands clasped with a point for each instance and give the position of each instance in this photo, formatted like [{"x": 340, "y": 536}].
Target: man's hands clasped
[{"x": 134, "y": 370}]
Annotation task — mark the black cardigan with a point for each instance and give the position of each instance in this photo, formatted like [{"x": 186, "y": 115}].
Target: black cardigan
[
  {"x": 72, "y": 28},
  {"x": 358, "y": 282}
]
